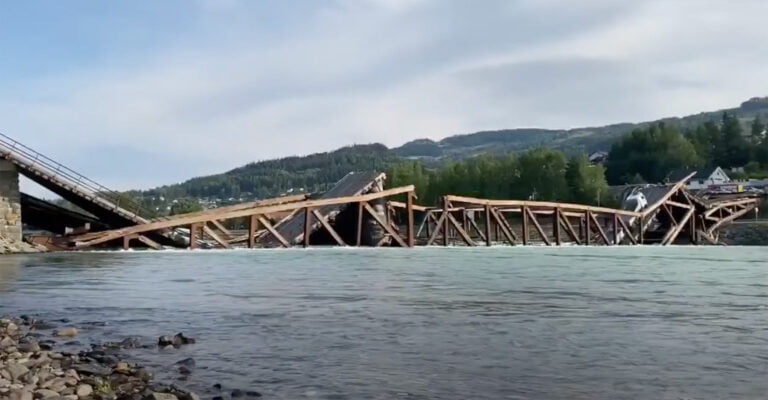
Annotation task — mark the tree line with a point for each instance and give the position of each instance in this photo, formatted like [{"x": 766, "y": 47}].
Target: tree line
[
  {"x": 537, "y": 174},
  {"x": 646, "y": 154},
  {"x": 650, "y": 154}
]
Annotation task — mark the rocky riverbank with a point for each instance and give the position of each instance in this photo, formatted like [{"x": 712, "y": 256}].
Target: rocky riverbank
[
  {"x": 746, "y": 233},
  {"x": 13, "y": 247},
  {"x": 30, "y": 368}
]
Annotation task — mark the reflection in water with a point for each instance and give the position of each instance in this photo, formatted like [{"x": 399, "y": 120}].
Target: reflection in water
[
  {"x": 10, "y": 266},
  {"x": 525, "y": 323}
]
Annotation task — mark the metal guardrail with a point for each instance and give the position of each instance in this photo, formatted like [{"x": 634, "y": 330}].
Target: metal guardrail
[{"x": 34, "y": 160}]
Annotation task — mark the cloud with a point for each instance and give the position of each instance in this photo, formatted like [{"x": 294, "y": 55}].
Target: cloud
[{"x": 235, "y": 81}]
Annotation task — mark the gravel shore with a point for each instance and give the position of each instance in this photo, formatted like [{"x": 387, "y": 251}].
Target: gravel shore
[{"x": 30, "y": 369}]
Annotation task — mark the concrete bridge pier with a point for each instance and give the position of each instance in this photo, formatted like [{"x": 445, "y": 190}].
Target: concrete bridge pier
[{"x": 10, "y": 203}]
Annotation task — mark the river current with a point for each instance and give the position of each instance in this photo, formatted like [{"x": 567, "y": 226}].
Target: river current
[{"x": 425, "y": 323}]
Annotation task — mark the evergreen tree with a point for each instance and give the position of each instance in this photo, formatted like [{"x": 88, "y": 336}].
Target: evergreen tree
[
  {"x": 733, "y": 149},
  {"x": 758, "y": 127}
]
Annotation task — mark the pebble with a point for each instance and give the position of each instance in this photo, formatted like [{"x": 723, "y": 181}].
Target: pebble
[
  {"x": 46, "y": 394},
  {"x": 66, "y": 332},
  {"x": 163, "y": 396},
  {"x": 84, "y": 390}
]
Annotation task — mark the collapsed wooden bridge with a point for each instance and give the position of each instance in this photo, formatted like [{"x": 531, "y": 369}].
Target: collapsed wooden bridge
[
  {"x": 672, "y": 214},
  {"x": 359, "y": 211}
]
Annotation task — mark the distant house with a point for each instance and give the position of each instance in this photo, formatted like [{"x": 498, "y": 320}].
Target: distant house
[
  {"x": 703, "y": 179},
  {"x": 598, "y": 157}
]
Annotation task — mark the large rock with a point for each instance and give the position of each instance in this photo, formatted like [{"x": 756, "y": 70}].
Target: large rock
[
  {"x": 16, "y": 370},
  {"x": 84, "y": 391}
]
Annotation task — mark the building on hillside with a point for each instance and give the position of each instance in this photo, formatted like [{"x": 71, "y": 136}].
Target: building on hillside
[
  {"x": 704, "y": 178},
  {"x": 598, "y": 157}
]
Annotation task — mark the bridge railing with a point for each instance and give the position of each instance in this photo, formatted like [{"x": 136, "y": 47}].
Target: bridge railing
[{"x": 35, "y": 160}]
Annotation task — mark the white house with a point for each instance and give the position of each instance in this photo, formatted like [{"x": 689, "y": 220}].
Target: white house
[{"x": 704, "y": 178}]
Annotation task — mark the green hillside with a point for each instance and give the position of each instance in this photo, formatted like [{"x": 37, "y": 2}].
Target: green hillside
[
  {"x": 572, "y": 140},
  {"x": 317, "y": 172}
]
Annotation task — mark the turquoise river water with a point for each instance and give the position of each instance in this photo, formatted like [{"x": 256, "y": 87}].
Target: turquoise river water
[{"x": 426, "y": 323}]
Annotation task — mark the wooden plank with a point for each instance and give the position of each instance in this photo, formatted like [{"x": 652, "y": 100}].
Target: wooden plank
[
  {"x": 487, "y": 225},
  {"x": 505, "y": 230},
  {"x": 627, "y": 232},
  {"x": 587, "y": 228},
  {"x": 359, "y": 224},
  {"x": 384, "y": 225},
  {"x": 669, "y": 213},
  {"x": 679, "y": 205},
  {"x": 525, "y": 225},
  {"x": 460, "y": 229},
  {"x": 536, "y": 204},
  {"x": 556, "y": 226},
  {"x": 253, "y": 227},
  {"x": 446, "y": 231},
  {"x": 324, "y": 222},
  {"x": 237, "y": 207},
  {"x": 569, "y": 229},
  {"x": 599, "y": 229},
  {"x": 409, "y": 219},
  {"x": 416, "y": 207},
  {"x": 194, "y": 231},
  {"x": 473, "y": 226},
  {"x": 221, "y": 228},
  {"x": 538, "y": 227},
  {"x": 307, "y": 226},
  {"x": 214, "y": 214},
  {"x": 274, "y": 232},
  {"x": 424, "y": 223},
  {"x": 674, "y": 232},
  {"x": 692, "y": 229},
  {"x": 440, "y": 223},
  {"x": 616, "y": 229},
  {"x": 215, "y": 236},
  {"x": 149, "y": 242}
]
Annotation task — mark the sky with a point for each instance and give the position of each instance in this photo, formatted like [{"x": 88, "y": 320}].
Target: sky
[{"x": 136, "y": 94}]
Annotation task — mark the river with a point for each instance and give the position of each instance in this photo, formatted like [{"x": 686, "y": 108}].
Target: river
[{"x": 425, "y": 323}]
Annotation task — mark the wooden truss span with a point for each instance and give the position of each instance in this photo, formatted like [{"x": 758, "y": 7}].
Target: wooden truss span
[
  {"x": 674, "y": 214},
  {"x": 257, "y": 214}
]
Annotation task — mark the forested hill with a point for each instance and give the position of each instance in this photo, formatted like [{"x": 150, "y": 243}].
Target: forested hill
[
  {"x": 571, "y": 140},
  {"x": 317, "y": 172},
  {"x": 310, "y": 174}
]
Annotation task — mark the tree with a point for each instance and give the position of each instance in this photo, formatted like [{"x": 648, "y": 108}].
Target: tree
[
  {"x": 409, "y": 173},
  {"x": 541, "y": 176},
  {"x": 185, "y": 206},
  {"x": 653, "y": 153},
  {"x": 733, "y": 149},
  {"x": 586, "y": 182},
  {"x": 758, "y": 127},
  {"x": 705, "y": 139}
]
